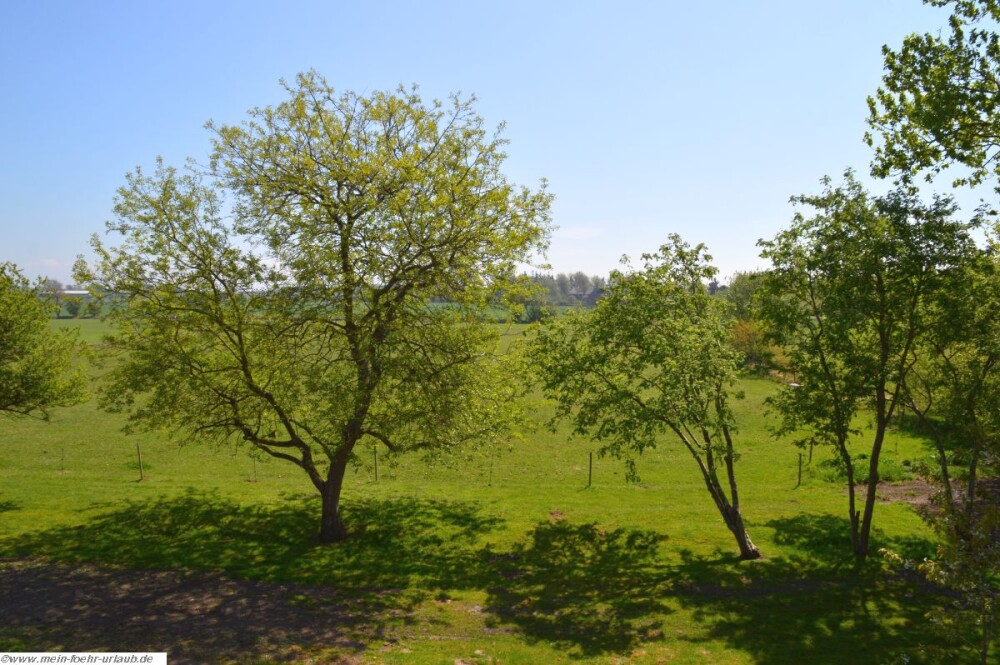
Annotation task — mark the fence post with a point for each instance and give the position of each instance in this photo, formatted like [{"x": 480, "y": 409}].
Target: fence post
[{"x": 138, "y": 452}]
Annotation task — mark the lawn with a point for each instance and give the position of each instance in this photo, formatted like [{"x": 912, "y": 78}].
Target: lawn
[{"x": 504, "y": 559}]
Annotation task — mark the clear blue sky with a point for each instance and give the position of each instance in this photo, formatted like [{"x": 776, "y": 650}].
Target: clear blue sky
[{"x": 646, "y": 117}]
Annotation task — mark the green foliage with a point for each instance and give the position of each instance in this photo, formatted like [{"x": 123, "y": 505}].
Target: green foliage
[
  {"x": 52, "y": 290},
  {"x": 73, "y": 306},
  {"x": 847, "y": 299},
  {"x": 301, "y": 324},
  {"x": 92, "y": 308},
  {"x": 652, "y": 358},
  {"x": 954, "y": 387},
  {"x": 938, "y": 103},
  {"x": 567, "y": 290},
  {"x": 739, "y": 293},
  {"x": 535, "y": 313},
  {"x": 889, "y": 470},
  {"x": 474, "y": 550},
  {"x": 968, "y": 566},
  {"x": 938, "y": 108},
  {"x": 748, "y": 335},
  {"x": 750, "y": 339},
  {"x": 37, "y": 366}
]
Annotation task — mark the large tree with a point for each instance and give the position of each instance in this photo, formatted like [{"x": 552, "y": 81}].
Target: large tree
[
  {"x": 283, "y": 298},
  {"x": 652, "y": 359},
  {"x": 939, "y": 102},
  {"x": 37, "y": 369},
  {"x": 847, "y": 299}
]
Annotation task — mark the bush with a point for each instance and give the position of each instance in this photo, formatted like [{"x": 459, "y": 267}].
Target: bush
[
  {"x": 535, "y": 312},
  {"x": 73, "y": 307},
  {"x": 889, "y": 470}
]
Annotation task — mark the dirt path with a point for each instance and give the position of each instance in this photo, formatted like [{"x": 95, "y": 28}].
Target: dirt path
[{"x": 196, "y": 618}]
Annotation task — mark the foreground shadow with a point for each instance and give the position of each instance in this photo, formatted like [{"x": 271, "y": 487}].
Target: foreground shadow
[
  {"x": 586, "y": 589},
  {"x": 825, "y": 541},
  {"x": 392, "y": 542},
  {"x": 204, "y": 577},
  {"x": 815, "y": 605}
]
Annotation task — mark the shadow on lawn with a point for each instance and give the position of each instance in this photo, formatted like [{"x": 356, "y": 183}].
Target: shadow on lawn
[
  {"x": 815, "y": 605},
  {"x": 595, "y": 591},
  {"x": 204, "y": 576},
  {"x": 393, "y": 543},
  {"x": 590, "y": 590}
]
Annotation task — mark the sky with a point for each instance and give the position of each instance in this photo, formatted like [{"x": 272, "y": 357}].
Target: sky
[{"x": 646, "y": 118}]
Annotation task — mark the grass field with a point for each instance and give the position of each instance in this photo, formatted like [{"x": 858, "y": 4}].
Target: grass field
[{"x": 504, "y": 560}]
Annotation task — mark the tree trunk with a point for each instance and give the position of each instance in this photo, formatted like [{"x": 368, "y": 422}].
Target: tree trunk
[
  {"x": 332, "y": 529},
  {"x": 970, "y": 492},
  {"x": 986, "y": 616},
  {"x": 851, "y": 495},
  {"x": 949, "y": 494},
  {"x": 734, "y": 520},
  {"x": 748, "y": 551},
  {"x": 862, "y": 546}
]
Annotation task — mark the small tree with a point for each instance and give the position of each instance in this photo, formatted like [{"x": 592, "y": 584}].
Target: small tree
[
  {"x": 92, "y": 308},
  {"x": 954, "y": 386},
  {"x": 739, "y": 293},
  {"x": 53, "y": 290},
  {"x": 749, "y": 336},
  {"x": 968, "y": 566},
  {"x": 847, "y": 300},
  {"x": 302, "y": 324},
  {"x": 563, "y": 286},
  {"x": 954, "y": 391},
  {"x": 750, "y": 339},
  {"x": 37, "y": 369},
  {"x": 73, "y": 306},
  {"x": 581, "y": 282},
  {"x": 652, "y": 358}
]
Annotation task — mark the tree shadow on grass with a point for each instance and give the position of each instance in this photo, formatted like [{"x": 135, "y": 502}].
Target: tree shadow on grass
[
  {"x": 825, "y": 540},
  {"x": 586, "y": 589},
  {"x": 392, "y": 542},
  {"x": 206, "y": 578},
  {"x": 814, "y": 605},
  {"x": 202, "y": 576}
]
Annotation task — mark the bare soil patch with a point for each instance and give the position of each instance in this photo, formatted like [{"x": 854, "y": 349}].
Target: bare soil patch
[
  {"x": 916, "y": 492},
  {"x": 194, "y": 617}
]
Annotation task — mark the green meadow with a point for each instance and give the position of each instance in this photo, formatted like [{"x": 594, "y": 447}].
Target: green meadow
[{"x": 506, "y": 558}]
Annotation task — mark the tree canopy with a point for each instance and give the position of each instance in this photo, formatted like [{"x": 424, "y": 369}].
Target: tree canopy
[
  {"x": 283, "y": 297},
  {"x": 37, "y": 368},
  {"x": 938, "y": 104},
  {"x": 954, "y": 386},
  {"x": 652, "y": 358},
  {"x": 848, "y": 299}
]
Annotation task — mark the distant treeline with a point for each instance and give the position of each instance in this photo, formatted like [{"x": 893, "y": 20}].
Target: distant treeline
[
  {"x": 563, "y": 289},
  {"x": 577, "y": 289}
]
